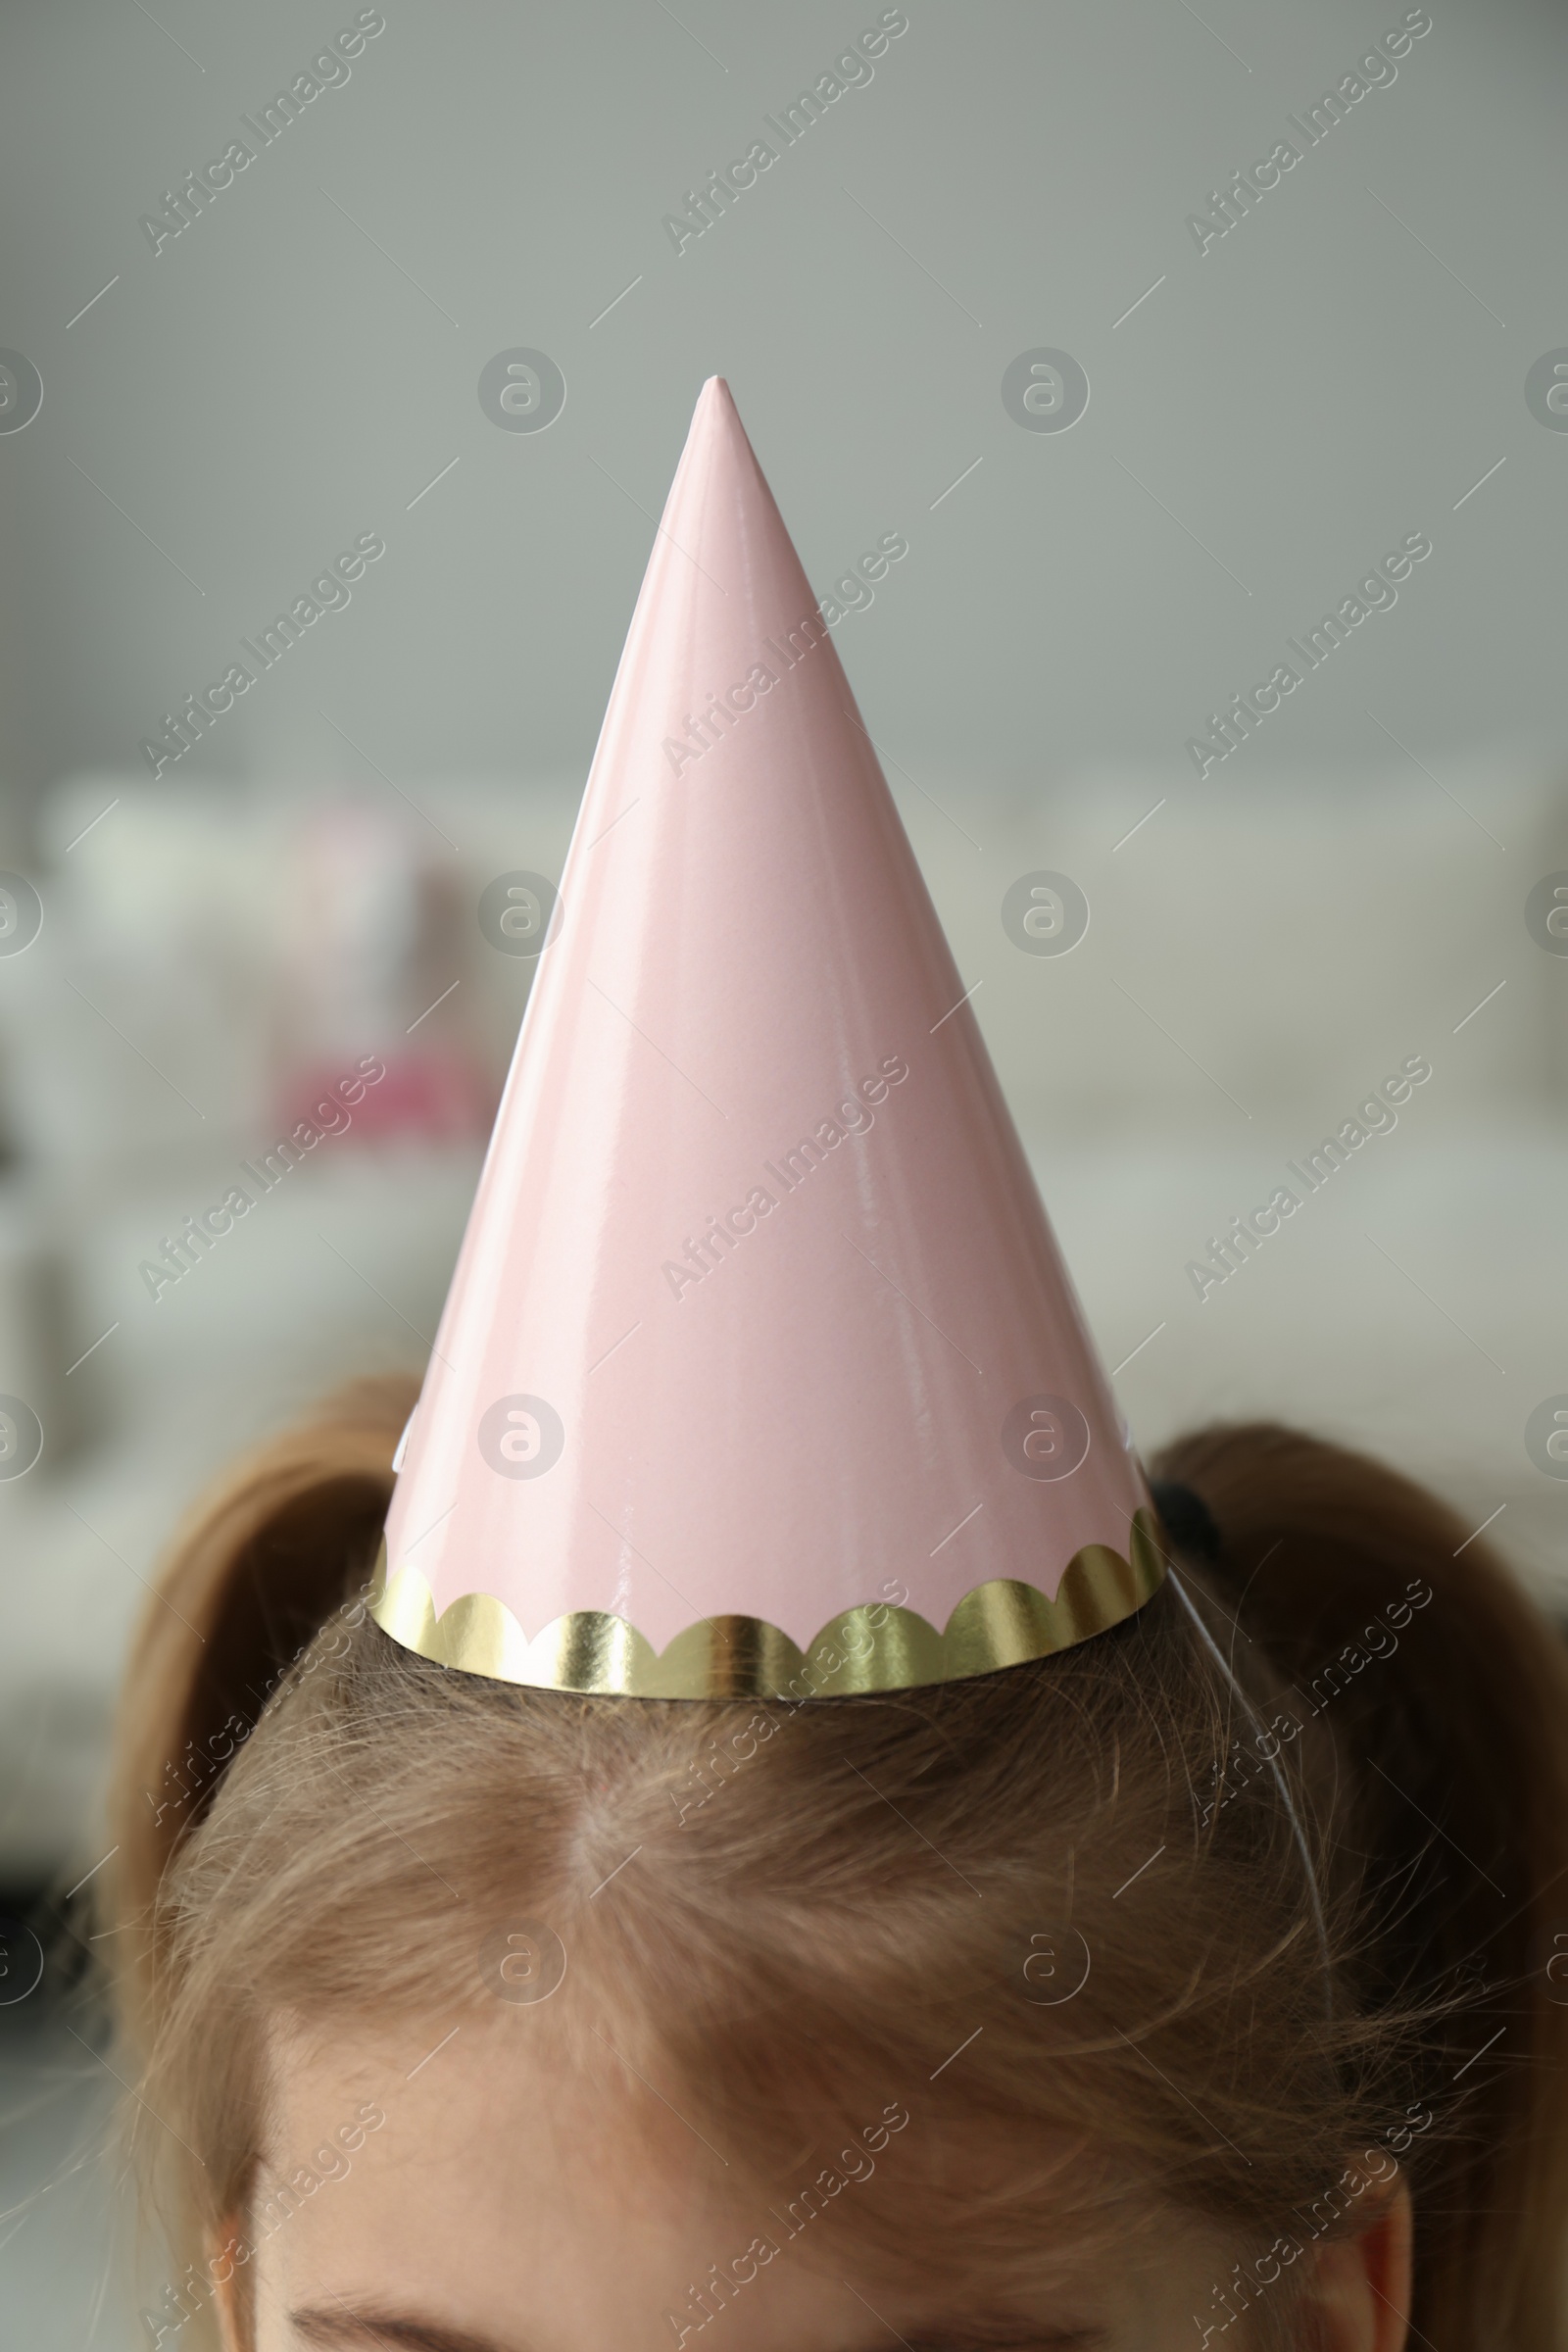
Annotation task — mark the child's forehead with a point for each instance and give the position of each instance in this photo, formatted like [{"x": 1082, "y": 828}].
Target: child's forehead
[
  {"x": 473, "y": 2166},
  {"x": 517, "y": 2087},
  {"x": 515, "y": 2176}
]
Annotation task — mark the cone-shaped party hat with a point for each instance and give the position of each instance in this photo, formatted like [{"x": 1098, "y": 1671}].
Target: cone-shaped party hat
[{"x": 760, "y": 1371}]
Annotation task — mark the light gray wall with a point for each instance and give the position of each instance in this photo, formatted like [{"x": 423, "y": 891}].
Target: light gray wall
[{"x": 1323, "y": 380}]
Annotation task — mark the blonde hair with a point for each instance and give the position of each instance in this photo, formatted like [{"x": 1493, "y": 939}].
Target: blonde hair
[{"x": 1301, "y": 1839}]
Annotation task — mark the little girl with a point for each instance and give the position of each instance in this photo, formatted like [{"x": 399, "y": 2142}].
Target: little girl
[{"x": 799, "y": 1844}]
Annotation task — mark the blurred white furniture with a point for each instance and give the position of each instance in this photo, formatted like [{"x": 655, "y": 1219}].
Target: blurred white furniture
[{"x": 1259, "y": 954}]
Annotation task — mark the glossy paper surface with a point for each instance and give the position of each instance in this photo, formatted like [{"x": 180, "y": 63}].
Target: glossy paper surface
[{"x": 757, "y": 1312}]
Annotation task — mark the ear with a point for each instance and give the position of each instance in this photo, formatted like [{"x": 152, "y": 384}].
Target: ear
[
  {"x": 1361, "y": 2290},
  {"x": 228, "y": 2296}
]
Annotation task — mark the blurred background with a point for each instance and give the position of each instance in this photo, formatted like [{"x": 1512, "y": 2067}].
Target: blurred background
[{"x": 1142, "y": 421}]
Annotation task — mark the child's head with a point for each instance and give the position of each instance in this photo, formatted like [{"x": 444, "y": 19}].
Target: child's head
[{"x": 1107, "y": 1998}]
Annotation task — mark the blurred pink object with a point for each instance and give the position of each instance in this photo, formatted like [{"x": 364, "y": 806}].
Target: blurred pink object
[
  {"x": 432, "y": 1094},
  {"x": 757, "y": 1313},
  {"x": 376, "y": 940}
]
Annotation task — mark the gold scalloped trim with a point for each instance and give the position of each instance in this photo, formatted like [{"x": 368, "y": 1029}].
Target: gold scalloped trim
[{"x": 878, "y": 1647}]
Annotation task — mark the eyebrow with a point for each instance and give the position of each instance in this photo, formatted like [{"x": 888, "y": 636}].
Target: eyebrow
[
  {"x": 349, "y": 2330},
  {"x": 361, "y": 2330}
]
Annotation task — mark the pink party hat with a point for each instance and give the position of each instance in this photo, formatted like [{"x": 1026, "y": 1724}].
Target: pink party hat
[{"x": 760, "y": 1371}]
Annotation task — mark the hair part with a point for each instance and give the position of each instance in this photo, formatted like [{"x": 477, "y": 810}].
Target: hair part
[{"x": 1305, "y": 1833}]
